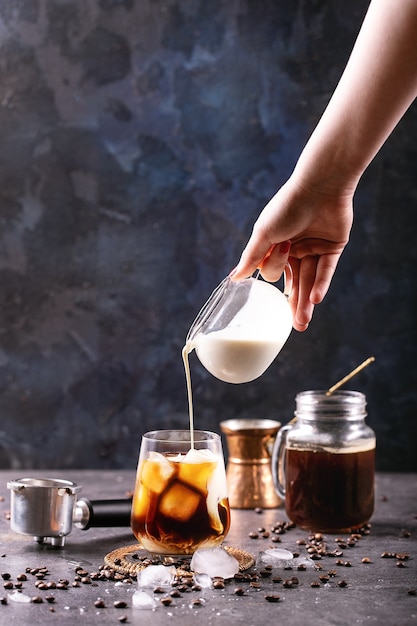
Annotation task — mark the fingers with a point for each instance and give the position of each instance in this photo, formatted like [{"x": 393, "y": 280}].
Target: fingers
[
  {"x": 326, "y": 267},
  {"x": 301, "y": 307},
  {"x": 312, "y": 278},
  {"x": 275, "y": 261},
  {"x": 306, "y": 279},
  {"x": 250, "y": 260},
  {"x": 271, "y": 261}
]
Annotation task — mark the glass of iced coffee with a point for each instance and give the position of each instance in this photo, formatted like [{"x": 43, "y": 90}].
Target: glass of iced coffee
[{"x": 180, "y": 499}]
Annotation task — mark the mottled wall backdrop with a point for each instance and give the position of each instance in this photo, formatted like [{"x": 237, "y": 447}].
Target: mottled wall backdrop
[{"x": 139, "y": 139}]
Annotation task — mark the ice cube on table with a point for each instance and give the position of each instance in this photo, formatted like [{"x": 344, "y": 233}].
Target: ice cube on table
[
  {"x": 156, "y": 576},
  {"x": 16, "y": 596},
  {"x": 203, "y": 580},
  {"x": 142, "y": 600},
  {"x": 279, "y": 557},
  {"x": 214, "y": 562},
  {"x": 279, "y": 553}
]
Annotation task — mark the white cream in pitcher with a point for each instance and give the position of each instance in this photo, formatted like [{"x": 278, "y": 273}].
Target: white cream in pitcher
[{"x": 240, "y": 330}]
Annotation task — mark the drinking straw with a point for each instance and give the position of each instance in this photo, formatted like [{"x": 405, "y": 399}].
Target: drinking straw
[{"x": 350, "y": 375}]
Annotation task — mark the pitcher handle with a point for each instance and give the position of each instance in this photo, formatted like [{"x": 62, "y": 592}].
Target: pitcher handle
[
  {"x": 288, "y": 280},
  {"x": 278, "y": 460}
]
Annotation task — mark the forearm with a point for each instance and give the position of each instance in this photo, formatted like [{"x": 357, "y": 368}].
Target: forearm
[{"x": 377, "y": 86}]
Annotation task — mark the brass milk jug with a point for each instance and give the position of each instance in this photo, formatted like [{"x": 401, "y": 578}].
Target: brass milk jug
[{"x": 249, "y": 471}]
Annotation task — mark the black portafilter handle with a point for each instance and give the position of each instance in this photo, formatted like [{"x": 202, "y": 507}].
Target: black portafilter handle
[{"x": 102, "y": 513}]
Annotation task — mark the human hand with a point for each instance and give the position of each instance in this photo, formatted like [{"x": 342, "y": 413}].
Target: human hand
[{"x": 308, "y": 229}]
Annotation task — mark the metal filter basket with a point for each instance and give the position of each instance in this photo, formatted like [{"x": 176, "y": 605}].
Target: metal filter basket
[{"x": 43, "y": 508}]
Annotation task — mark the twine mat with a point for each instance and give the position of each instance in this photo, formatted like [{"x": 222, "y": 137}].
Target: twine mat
[{"x": 127, "y": 561}]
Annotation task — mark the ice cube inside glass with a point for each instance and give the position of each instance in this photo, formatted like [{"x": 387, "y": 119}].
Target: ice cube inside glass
[{"x": 180, "y": 499}]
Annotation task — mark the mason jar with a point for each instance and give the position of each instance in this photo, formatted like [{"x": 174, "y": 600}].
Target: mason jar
[{"x": 323, "y": 462}]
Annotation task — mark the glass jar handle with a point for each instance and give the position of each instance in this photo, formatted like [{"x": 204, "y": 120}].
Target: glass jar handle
[{"x": 278, "y": 460}]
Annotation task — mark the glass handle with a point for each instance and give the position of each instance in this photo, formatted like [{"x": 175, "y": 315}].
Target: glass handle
[
  {"x": 278, "y": 460},
  {"x": 288, "y": 280}
]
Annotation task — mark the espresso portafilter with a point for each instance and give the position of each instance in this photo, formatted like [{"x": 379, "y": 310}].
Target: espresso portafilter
[{"x": 48, "y": 508}]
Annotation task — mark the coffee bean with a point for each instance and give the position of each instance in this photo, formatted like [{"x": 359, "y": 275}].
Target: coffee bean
[
  {"x": 99, "y": 603},
  {"x": 412, "y": 592},
  {"x": 315, "y": 583},
  {"x": 41, "y": 585},
  {"x": 6, "y": 576},
  {"x": 81, "y": 572},
  {"x": 258, "y": 510},
  {"x": 272, "y": 597},
  {"x": 239, "y": 591},
  {"x": 175, "y": 593},
  {"x": 166, "y": 601},
  {"x": 21, "y": 577},
  {"x": 8, "y": 584},
  {"x": 3, "y": 600},
  {"x": 253, "y": 535},
  {"x": 50, "y": 599},
  {"x": 366, "y": 560},
  {"x": 119, "y": 604},
  {"x": 37, "y": 600},
  {"x": 342, "y": 583},
  {"x": 218, "y": 584}
]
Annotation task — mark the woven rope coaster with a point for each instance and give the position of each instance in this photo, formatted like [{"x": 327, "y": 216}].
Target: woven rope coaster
[{"x": 128, "y": 560}]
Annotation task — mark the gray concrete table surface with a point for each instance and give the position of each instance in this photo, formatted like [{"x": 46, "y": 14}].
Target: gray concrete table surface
[{"x": 382, "y": 591}]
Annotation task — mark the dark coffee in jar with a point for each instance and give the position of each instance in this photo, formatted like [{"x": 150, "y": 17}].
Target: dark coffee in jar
[
  {"x": 323, "y": 462},
  {"x": 329, "y": 491}
]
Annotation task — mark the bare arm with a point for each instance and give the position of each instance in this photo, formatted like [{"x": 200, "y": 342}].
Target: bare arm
[{"x": 313, "y": 210}]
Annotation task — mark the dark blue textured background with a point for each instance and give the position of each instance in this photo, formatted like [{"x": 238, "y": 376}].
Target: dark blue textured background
[{"x": 138, "y": 142}]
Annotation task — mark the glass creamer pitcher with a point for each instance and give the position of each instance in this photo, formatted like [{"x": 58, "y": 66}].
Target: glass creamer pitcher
[{"x": 242, "y": 328}]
